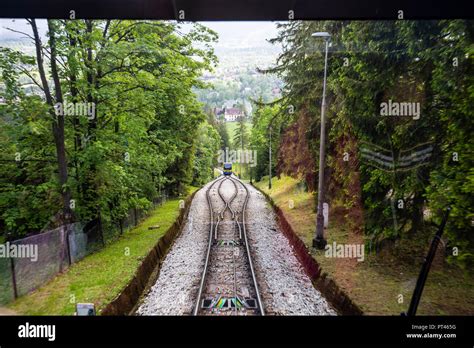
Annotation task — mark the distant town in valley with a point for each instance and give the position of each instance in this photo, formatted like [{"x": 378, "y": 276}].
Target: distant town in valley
[{"x": 236, "y": 81}]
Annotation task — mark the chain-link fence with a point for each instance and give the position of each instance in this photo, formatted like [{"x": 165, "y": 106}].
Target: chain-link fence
[
  {"x": 6, "y": 285},
  {"x": 56, "y": 250},
  {"x": 51, "y": 258}
]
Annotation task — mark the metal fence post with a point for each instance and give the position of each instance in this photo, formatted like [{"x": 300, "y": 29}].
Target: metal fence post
[
  {"x": 101, "y": 230},
  {"x": 15, "y": 291},
  {"x": 68, "y": 247}
]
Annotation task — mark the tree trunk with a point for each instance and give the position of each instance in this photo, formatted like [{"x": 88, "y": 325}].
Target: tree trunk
[{"x": 58, "y": 120}]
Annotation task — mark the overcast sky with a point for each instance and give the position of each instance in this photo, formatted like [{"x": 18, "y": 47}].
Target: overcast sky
[
  {"x": 243, "y": 34},
  {"x": 19, "y": 25},
  {"x": 231, "y": 34}
]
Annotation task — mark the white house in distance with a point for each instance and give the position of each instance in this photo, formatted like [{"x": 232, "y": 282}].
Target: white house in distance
[{"x": 229, "y": 114}]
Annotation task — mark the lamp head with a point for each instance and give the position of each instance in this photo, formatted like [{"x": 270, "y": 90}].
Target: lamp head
[{"x": 322, "y": 34}]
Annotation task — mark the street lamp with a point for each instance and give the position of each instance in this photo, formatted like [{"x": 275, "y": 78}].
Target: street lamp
[
  {"x": 270, "y": 159},
  {"x": 319, "y": 241}
]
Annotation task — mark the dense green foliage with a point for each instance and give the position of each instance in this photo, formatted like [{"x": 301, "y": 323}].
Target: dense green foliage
[
  {"x": 425, "y": 62},
  {"x": 148, "y": 135},
  {"x": 263, "y": 118},
  {"x": 207, "y": 146},
  {"x": 240, "y": 136}
]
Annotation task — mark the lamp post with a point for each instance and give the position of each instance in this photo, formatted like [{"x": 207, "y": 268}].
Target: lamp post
[
  {"x": 319, "y": 241},
  {"x": 270, "y": 160}
]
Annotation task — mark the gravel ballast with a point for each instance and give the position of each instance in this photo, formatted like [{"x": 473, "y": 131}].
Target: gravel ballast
[
  {"x": 284, "y": 286},
  {"x": 180, "y": 274}
]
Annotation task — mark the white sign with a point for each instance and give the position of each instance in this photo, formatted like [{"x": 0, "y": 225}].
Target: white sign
[{"x": 326, "y": 214}]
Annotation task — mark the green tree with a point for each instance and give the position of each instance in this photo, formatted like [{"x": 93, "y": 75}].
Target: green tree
[
  {"x": 373, "y": 62},
  {"x": 264, "y": 116},
  {"x": 142, "y": 138}
]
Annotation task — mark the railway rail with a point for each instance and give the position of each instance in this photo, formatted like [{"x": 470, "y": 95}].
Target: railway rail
[{"x": 228, "y": 283}]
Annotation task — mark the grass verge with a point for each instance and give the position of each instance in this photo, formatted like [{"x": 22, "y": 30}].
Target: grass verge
[
  {"x": 100, "y": 277},
  {"x": 375, "y": 284}
]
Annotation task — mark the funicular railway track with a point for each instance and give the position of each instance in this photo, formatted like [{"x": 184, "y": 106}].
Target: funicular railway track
[{"x": 228, "y": 284}]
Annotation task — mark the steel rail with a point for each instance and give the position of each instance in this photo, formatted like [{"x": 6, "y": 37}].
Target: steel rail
[
  {"x": 252, "y": 271},
  {"x": 242, "y": 232},
  {"x": 221, "y": 213},
  {"x": 206, "y": 262}
]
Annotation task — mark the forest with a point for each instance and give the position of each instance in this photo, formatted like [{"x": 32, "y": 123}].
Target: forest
[
  {"x": 395, "y": 175},
  {"x": 100, "y": 120},
  {"x": 142, "y": 131}
]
